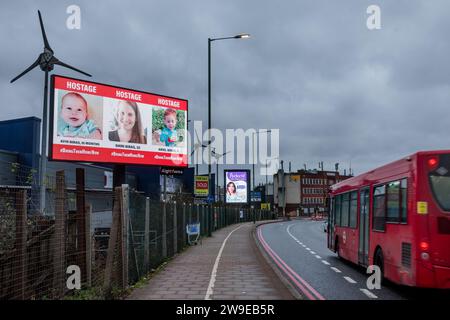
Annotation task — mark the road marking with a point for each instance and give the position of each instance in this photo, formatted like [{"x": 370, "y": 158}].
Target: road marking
[
  {"x": 325, "y": 262},
  {"x": 303, "y": 246},
  {"x": 369, "y": 294},
  {"x": 212, "y": 280},
  {"x": 318, "y": 257},
  {"x": 336, "y": 270},
  {"x": 304, "y": 286},
  {"x": 308, "y": 249},
  {"x": 349, "y": 279},
  {"x": 312, "y": 252}
]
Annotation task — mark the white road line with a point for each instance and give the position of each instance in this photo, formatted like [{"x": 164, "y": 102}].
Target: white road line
[
  {"x": 325, "y": 262},
  {"x": 303, "y": 246},
  {"x": 318, "y": 257},
  {"x": 369, "y": 294},
  {"x": 349, "y": 279},
  {"x": 336, "y": 270},
  {"x": 312, "y": 252},
  {"x": 212, "y": 280},
  {"x": 308, "y": 249}
]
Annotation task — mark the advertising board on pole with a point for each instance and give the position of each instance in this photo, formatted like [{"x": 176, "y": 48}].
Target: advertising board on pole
[{"x": 201, "y": 186}]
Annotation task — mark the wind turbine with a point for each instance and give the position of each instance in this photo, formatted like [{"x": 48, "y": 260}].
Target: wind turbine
[
  {"x": 46, "y": 61},
  {"x": 197, "y": 146},
  {"x": 217, "y": 156}
]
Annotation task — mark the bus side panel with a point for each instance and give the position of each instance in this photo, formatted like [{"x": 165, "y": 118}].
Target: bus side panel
[
  {"x": 397, "y": 241},
  {"x": 348, "y": 243}
]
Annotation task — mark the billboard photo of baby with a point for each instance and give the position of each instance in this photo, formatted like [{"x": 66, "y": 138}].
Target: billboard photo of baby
[
  {"x": 168, "y": 127},
  {"x": 80, "y": 116}
]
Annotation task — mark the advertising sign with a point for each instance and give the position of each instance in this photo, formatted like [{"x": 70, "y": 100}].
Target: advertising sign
[
  {"x": 237, "y": 186},
  {"x": 201, "y": 187},
  {"x": 255, "y": 196},
  {"x": 265, "y": 206},
  {"x": 171, "y": 171},
  {"x": 93, "y": 122}
]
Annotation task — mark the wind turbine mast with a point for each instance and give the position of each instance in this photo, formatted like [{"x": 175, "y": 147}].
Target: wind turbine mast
[{"x": 46, "y": 61}]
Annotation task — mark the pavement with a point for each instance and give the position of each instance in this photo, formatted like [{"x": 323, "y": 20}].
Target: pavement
[{"x": 226, "y": 266}]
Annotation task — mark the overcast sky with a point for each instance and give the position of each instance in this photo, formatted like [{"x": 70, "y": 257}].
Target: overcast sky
[{"x": 337, "y": 91}]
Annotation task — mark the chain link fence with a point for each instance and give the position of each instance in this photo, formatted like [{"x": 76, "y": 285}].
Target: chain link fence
[{"x": 97, "y": 240}]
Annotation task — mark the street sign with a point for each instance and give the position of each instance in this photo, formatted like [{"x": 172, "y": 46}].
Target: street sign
[{"x": 255, "y": 196}]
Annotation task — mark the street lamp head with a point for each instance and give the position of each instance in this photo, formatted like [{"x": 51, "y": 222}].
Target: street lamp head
[{"x": 242, "y": 36}]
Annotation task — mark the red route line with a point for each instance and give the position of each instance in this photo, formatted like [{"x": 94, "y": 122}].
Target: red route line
[{"x": 312, "y": 294}]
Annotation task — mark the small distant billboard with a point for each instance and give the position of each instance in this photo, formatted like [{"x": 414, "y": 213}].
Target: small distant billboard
[
  {"x": 237, "y": 188},
  {"x": 100, "y": 123},
  {"x": 201, "y": 186}
]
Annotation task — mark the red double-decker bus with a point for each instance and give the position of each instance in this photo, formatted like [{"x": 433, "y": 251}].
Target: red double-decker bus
[{"x": 398, "y": 218}]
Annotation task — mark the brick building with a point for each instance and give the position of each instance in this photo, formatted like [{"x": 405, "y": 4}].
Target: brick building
[{"x": 303, "y": 192}]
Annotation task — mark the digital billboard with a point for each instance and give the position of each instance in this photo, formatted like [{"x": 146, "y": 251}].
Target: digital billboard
[
  {"x": 94, "y": 122},
  {"x": 237, "y": 189}
]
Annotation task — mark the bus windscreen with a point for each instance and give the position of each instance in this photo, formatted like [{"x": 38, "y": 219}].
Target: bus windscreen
[{"x": 440, "y": 182}]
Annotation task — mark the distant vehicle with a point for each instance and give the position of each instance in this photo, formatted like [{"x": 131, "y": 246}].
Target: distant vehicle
[{"x": 398, "y": 218}]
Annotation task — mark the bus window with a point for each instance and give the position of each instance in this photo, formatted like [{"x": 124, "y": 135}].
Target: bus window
[
  {"x": 404, "y": 198},
  {"x": 379, "y": 208},
  {"x": 393, "y": 202},
  {"x": 345, "y": 209},
  {"x": 353, "y": 209},
  {"x": 338, "y": 210}
]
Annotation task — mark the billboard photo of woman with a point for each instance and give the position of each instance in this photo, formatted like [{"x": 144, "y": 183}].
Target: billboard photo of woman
[{"x": 236, "y": 186}]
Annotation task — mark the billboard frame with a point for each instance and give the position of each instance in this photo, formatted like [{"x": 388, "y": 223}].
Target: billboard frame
[
  {"x": 51, "y": 120},
  {"x": 225, "y": 186}
]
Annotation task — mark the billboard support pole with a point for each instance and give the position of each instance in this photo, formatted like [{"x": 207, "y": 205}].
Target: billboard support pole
[
  {"x": 119, "y": 175},
  {"x": 43, "y": 163}
]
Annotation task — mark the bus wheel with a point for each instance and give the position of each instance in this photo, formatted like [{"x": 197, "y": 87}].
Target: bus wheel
[{"x": 379, "y": 261}]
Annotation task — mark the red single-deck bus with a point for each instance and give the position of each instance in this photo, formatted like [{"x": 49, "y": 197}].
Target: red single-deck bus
[{"x": 397, "y": 217}]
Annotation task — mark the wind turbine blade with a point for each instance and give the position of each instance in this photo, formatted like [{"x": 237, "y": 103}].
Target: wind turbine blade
[
  {"x": 34, "y": 65},
  {"x": 56, "y": 61},
  {"x": 196, "y": 134},
  {"x": 44, "y": 36}
]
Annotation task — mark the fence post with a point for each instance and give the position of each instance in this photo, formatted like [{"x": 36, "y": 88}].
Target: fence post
[
  {"x": 164, "y": 230},
  {"x": 183, "y": 229},
  {"x": 113, "y": 238},
  {"x": 125, "y": 228},
  {"x": 198, "y": 213},
  {"x": 175, "y": 228},
  {"x": 21, "y": 243},
  {"x": 147, "y": 234},
  {"x": 88, "y": 238},
  {"x": 81, "y": 222},
  {"x": 59, "y": 235}
]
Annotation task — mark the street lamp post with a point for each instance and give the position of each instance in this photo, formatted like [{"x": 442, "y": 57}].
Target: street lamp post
[
  {"x": 253, "y": 156},
  {"x": 210, "y": 40},
  {"x": 267, "y": 182}
]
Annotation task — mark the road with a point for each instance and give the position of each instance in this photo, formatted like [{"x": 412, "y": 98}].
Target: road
[{"x": 299, "y": 250}]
